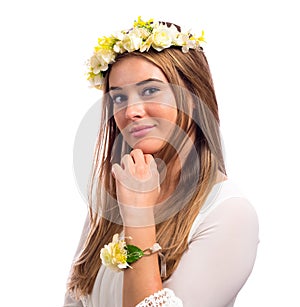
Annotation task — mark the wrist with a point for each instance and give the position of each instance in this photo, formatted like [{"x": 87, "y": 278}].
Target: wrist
[
  {"x": 137, "y": 216},
  {"x": 143, "y": 237}
]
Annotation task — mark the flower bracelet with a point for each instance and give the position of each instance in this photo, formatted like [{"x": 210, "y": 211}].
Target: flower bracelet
[{"x": 117, "y": 255}]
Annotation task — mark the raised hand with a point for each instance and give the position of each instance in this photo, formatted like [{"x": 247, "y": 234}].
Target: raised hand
[{"x": 137, "y": 187}]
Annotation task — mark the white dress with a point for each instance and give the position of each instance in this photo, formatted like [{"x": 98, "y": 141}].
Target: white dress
[{"x": 222, "y": 249}]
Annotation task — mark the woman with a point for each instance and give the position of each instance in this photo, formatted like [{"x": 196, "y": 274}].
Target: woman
[{"x": 162, "y": 211}]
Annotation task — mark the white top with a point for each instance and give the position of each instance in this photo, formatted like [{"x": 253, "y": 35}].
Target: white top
[{"x": 222, "y": 249}]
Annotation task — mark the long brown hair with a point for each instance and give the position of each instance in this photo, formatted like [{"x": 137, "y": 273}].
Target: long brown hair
[{"x": 189, "y": 71}]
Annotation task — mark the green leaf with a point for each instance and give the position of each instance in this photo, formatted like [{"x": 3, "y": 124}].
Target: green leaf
[{"x": 133, "y": 253}]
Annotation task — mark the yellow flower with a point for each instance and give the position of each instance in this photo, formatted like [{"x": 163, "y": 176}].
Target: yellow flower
[
  {"x": 114, "y": 254},
  {"x": 142, "y": 24},
  {"x": 198, "y": 39},
  {"x": 105, "y": 43}
]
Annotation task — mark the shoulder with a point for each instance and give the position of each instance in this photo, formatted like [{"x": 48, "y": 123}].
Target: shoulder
[{"x": 226, "y": 207}]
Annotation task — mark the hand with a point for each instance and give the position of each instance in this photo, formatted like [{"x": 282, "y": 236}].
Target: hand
[{"x": 137, "y": 187}]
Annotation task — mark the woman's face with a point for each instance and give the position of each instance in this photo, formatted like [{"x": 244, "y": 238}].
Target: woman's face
[{"x": 144, "y": 105}]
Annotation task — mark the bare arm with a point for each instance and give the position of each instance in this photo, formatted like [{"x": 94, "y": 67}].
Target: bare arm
[
  {"x": 144, "y": 277},
  {"x": 137, "y": 192}
]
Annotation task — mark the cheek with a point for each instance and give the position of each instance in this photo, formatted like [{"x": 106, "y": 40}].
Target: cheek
[
  {"x": 165, "y": 110},
  {"x": 173, "y": 115},
  {"x": 168, "y": 113}
]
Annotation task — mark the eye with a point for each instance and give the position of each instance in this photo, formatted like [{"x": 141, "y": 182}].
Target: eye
[
  {"x": 119, "y": 98},
  {"x": 150, "y": 91}
]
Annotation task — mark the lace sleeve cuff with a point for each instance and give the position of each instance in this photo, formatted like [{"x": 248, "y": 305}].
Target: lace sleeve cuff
[{"x": 162, "y": 298}]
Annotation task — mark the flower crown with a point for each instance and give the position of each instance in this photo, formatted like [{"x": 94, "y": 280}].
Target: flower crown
[{"x": 143, "y": 36}]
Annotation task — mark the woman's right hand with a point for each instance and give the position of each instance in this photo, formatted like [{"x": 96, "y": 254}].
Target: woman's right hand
[{"x": 137, "y": 187}]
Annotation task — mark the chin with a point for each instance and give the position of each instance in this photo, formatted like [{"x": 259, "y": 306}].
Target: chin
[{"x": 149, "y": 146}]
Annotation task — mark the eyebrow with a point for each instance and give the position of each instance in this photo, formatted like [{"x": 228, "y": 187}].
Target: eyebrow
[{"x": 137, "y": 84}]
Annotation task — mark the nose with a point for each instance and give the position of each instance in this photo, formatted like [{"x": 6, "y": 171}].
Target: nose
[{"x": 135, "y": 110}]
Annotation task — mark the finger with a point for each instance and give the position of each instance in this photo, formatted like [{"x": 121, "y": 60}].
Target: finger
[
  {"x": 153, "y": 165},
  {"x": 138, "y": 156},
  {"x": 127, "y": 162},
  {"x": 117, "y": 172},
  {"x": 148, "y": 159}
]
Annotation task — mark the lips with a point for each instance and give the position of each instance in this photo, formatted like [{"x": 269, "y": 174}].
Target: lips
[{"x": 141, "y": 130}]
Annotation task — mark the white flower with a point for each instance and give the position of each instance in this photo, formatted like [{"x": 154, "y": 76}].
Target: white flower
[
  {"x": 143, "y": 33},
  {"x": 98, "y": 64},
  {"x": 132, "y": 41},
  {"x": 118, "y": 47},
  {"x": 108, "y": 56},
  {"x": 118, "y": 35},
  {"x": 97, "y": 81},
  {"x": 147, "y": 44},
  {"x": 163, "y": 36},
  {"x": 143, "y": 36}
]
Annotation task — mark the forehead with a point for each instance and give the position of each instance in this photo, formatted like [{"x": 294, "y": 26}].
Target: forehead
[{"x": 131, "y": 70}]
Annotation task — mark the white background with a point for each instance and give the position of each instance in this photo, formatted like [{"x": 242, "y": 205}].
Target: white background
[{"x": 253, "y": 49}]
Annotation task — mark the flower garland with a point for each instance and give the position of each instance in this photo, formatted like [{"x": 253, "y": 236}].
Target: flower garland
[
  {"x": 117, "y": 255},
  {"x": 143, "y": 36}
]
